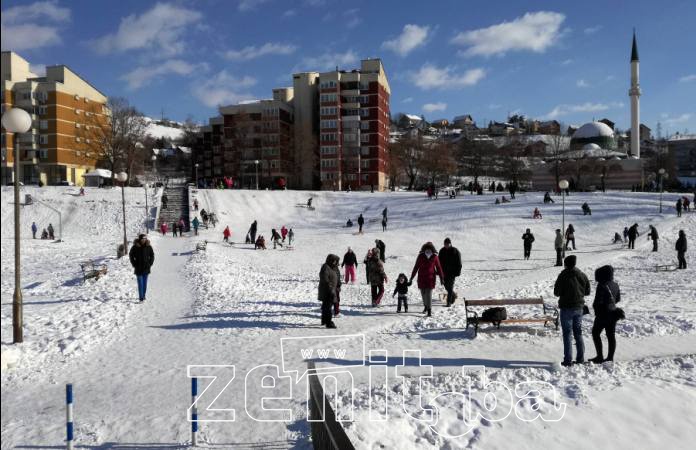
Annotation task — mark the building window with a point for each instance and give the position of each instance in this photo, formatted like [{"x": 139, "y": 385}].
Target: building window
[
  {"x": 43, "y": 124},
  {"x": 364, "y": 138},
  {"x": 77, "y": 139},
  {"x": 328, "y": 97},
  {"x": 43, "y": 139},
  {"x": 328, "y": 163},
  {"x": 364, "y": 125},
  {"x": 328, "y": 150},
  {"x": 328, "y": 137},
  {"x": 42, "y": 110},
  {"x": 329, "y": 124},
  {"x": 364, "y": 85},
  {"x": 43, "y": 154},
  {"x": 364, "y": 113}
]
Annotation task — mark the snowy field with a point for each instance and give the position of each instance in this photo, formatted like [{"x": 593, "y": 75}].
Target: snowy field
[{"x": 230, "y": 305}]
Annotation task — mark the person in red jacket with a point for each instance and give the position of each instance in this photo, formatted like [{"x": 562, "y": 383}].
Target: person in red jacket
[
  {"x": 428, "y": 268},
  {"x": 283, "y": 232},
  {"x": 226, "y": 234}
]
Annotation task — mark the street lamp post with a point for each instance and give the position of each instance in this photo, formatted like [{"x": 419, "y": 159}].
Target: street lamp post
[
  {"x": 16, "y": 121},
  {"x": 122, "y": 177},
  {"x": 662, "y": 174},
  {"x": 563, "y": 185},
  {"x": 256, "y": 163},
  {"x": 196, "y": 167}
]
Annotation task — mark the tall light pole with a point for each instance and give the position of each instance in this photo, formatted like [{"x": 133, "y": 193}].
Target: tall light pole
[
  {"x": 16, "y": 121},
  {"x": 662, "y": 174},
  {"x": 256, "y": 163},
  {"x": 563, "y": 185},
  {"x": 122, "y": 177},
  {"x": 196, "y": 167}
]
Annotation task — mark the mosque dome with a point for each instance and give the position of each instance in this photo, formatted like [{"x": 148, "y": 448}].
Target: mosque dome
[
  {"x": 591, "y": 147},
  {"x": 592, "y": 130},
  {"x": 593, "y": 136}
]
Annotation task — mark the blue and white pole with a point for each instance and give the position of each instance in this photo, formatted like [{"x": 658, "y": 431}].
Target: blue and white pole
[
  {"x": 69, "y": 415},
  {"x": 194, "y": 412}
]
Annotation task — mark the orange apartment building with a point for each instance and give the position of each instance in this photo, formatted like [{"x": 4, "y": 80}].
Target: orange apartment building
[{"x": 64, "y": 108}]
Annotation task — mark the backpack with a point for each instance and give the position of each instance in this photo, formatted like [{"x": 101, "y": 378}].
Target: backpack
[{"x": 496, "y": 314}]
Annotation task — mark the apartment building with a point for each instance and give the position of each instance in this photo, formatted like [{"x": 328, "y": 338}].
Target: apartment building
[
  {"x": 329, "y": 130},
  {"x": 63, "y": 106}
]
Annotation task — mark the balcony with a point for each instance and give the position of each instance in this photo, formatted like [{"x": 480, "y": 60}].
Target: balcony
[
  {"x": 350, "y": 92},
  {"x": 354, "y": 105}
]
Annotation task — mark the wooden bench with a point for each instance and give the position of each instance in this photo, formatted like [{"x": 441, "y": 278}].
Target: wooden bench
[
  {"x": 473, "y": 318},
  {"x": 201, "y": 246},
  {"x": 90, "y": 269}
]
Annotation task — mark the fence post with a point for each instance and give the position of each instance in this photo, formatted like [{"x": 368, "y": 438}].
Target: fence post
[
  {"x": 194, "y": 412},
  {"x": 69, "y": 415}
]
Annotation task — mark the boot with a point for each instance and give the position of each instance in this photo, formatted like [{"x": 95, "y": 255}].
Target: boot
[
  {"x": 331, "y": 325},
  {"x": 429, "y": 312}
]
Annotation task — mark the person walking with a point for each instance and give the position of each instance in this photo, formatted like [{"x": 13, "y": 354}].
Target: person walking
[
  {"x": 252, "y": 231},
  {"x": 558, "y": 245},
  {"x": 680, "y": 247},
  {"x": 570, "y": 236},
  {"x": 451, "y": 262},
  {"x": 632, "y": 235},
  {"x": 384, "y": 224},
  {"x": 164, "y": 229},
  {"x": 165, "y": 200},
  {"x": 678, "y": 206},
  {"x": 328, "y": 284},
  {"x": 654, "y": 237},
  {"x": 571, "y": 287},
  {"x": 428, "y": 268},
  {"x": 625, "y": 234},
  {"x": 174, "y": 228},
  {"x": 142, "y": 257},
  {"x": 527, "y": 240},
  {"x": 275, "y": 237},
  {"x": 283, "y": 233},
  {"x": 34, "y": 229},
  {"x": 195, "y": 222},
  {"x": 377, "y": 277},
  {"x": 384, "y": 213},
  {"x": 337, "y": 303},
  {"x": 226, "y": 233},
  {"x": 367, "y": 261},
  {"x": 401, "y": 289},
  {"x": 382, "y": 249},
  {"x": 51, "y": 232},
  {"x": 361, "y": 222},
  {"x": 291, "y": 237},
  {"x": 350, "y": 263},
  {"x": 182, "y": 226},
  {"x": 607, "y": 296}
]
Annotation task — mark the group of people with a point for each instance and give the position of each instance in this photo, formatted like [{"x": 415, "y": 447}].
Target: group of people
[
  {"x": 46, "y": 233},
  {"x": 428, "y": 268},
  {"x": 277, "y": 238}
]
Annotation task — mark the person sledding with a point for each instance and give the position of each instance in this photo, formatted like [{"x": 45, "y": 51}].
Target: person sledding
[
  {"x": 586, "y": 211},
  {"x": 276, "y": 238},
  {"x": 547, "y": 198},
  {"x": 260, "y": 243},
  {"x": 536, "y": 214}
]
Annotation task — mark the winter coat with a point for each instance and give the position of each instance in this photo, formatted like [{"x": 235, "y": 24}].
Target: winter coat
[
  {"x": 653, "y": 234},
  {"x": 451, "y": 261},
  {"x": 141, "y": 257},
  {"x": 401, "y": 288},
  {"x": 607, "y": 294},
  {"x": 528, "y": 238},
  {"x": 679, "y": 205},
  {"x": 375, "y": 272},
  {"x": 570, "y": 288},
  {"x": 195, "y": 223},
  {"x": 34, "y": 228},
  {"x": 328, "y": 280},
  {"x": 284, "y": 232},
  {"x": 361, "y": 220},
  {"x": 633, "y": 232},
  {"x": 680, "y": 246},
  {"x": 226, "y": 232},
  {"x": 427, "y": 269},
  {"x": 382, "y": 248},
  {"x": 349, "y": 259},
  {"x": 558, "y": 243},
  {"x": 570, "y": 232}
]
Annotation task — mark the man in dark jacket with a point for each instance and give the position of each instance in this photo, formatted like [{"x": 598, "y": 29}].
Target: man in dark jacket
[
  {"x": 382, "y": 248},
  {"x": 632, "y": 235},
  {"x": 328, "y": 285},
  {"x": 607, "y": 296},
  {"x": 141, "y": 258},
  {"x": 680, "y": 247},
  {"x": 654, "y": 236},
  {"x": 527, "y": 239},
  {"x": 377, "y": 277},
  {"x": 252, "y": 231},
  {"x": 570, "y": 288},
  {"x": 679, "y": 207},
  {"x": 451, "y": 262},
  {"x": 361, "y": 222}
]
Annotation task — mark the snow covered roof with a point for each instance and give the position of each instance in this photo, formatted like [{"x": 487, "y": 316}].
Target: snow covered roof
[
  {"x": 101, "y": 173},
  {"x": 413, "y": 117},
  {"x": 593, "y": 129}
]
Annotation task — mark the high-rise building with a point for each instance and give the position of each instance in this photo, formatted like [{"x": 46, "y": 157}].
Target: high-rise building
[
  {"x": 329, "y": 131},
  {"x": 62, "y": 105}
]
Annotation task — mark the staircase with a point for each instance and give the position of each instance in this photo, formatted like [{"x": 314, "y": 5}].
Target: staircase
[{"x": 177, "y": 204}]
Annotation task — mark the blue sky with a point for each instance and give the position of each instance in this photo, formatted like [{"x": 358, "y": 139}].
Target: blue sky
[{"x": 545, "y": 59}]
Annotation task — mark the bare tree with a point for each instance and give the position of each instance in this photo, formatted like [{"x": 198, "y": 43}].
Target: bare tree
[
  {"x": 475, "y": 157},
  {"x": 408, "y": 154}
]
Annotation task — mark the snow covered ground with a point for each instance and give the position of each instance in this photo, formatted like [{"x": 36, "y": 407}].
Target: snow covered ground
[{"x": 232, "y": 305}]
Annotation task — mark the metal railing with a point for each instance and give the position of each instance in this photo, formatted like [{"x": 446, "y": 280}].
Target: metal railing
[{"x": 327, "y": 432}]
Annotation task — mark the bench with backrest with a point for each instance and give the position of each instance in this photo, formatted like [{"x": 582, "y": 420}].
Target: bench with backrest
[
  {"x": 91, "y": 269},
  {"x": 550, "y": 313}
]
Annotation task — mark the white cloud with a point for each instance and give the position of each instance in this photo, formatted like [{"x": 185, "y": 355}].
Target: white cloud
[
  {"x": 677, "y": 120},
  {"x": 687, "y": 78},
  {"x": 160, "y": 28},
  {"x": 535, "y": 31},
  {"x": 432, "y": 107},
  {"x": 328, "y": 61},
  {"x": 592, "y": 30},
  {"x": 430, "y": 76},
  {"x": 32, "y": 26},
  {"x": 411, "y": 37},
  {"x": 249, "y": 5},
  {"x": 253, "y": 52},
  {"x": 351, "y": 19},
  {"x": 407, "y": 100},
  {"x": 582, "y": 83},
  {"x": 38, "y": 69},
  {"x": 494, "y": 106},
  {"x": 567, "y": 62},
  {"x": 144, "y": 75},
  {"x": 289, "y": 13},
  {"x": 223, "y": 88},
  {"x": 587, "y": 107}
]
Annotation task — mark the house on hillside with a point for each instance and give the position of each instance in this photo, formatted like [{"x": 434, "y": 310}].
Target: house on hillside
[
  {"x": 464, "y": 121},
  {"x": 409, "y": 121},
  {"x": 549, "y": 127},
  {"x": 440, "y": 123}
]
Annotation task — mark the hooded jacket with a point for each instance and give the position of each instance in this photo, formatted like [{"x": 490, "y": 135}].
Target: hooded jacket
[
  {"x": 375, "y": 271},
  {"x": 328, "y": 280},
  {"x": 349, "y": 259},
  {"x": 527, "y": 239},
  {"x": 428, "y": 269},
  {"x": 141, "y": 256},
  {"x": 558, "y": 243},
  {"x": 680, "y": 246},
  {"x": 608, "y": 293},
  {"x": 571, "y": 286}
]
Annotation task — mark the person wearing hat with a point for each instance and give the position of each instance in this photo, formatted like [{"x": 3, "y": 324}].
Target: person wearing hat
[
  {"x": 141, "y": 258},
  {"x": 571, "y": 287}
]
